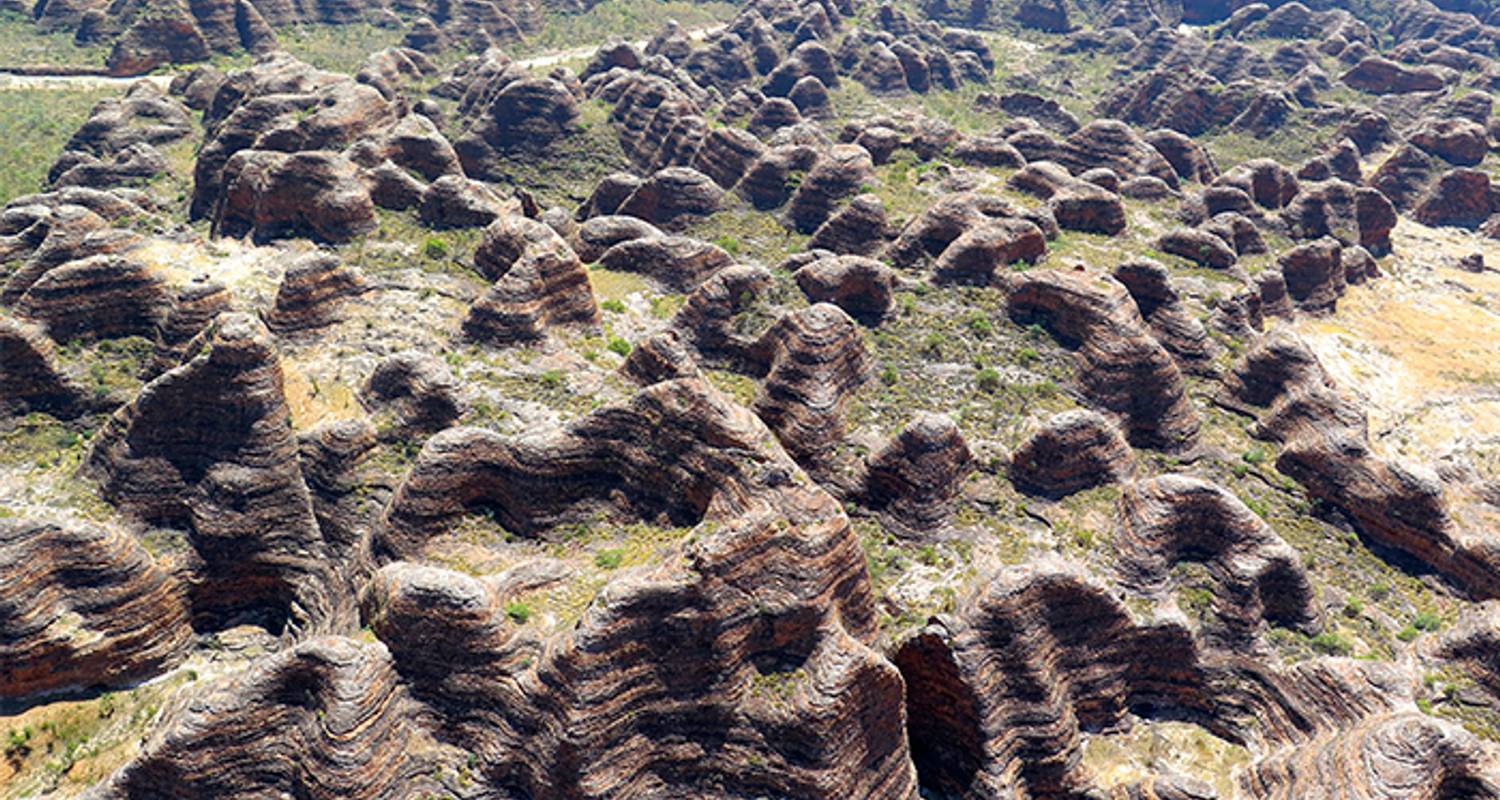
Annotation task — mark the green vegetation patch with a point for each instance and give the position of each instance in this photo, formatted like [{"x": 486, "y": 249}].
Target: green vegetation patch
[{"x": 35, "y": 124}]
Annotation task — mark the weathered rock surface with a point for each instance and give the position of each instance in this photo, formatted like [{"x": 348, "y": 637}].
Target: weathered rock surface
[
  {"x": 814, "y": 360},
  {"x": 334, "y": 708},
  {"x": 1327, "y": 451},
  {"x": 208, "y": 447},
  {"x": 312, "y": 291},
  {"x": 1168, "y": 316},
  {"x": 539, "y": 284},
  {"x": 915, "y": 478},
  {"x": 1123, "y": 369},
  {"x": 1258, "y": 577},
  {"x": 689, "y": 643},
  {"x": 1070, "y": 452},
  {"x": 30, "y": 377},
  {"x": 417, "y": 390},
  {"x": 862, "y": 287},
  {"x": 678, "y": 263},
  {"x": 84, "y": 607}
]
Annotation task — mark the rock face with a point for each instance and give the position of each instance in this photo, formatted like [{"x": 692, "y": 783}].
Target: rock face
[
  {"x": 1460, "y": 142},
  {"x": 1200, "y": 247},
  {"x": 101, "y": 296},
  {"x": 998, "y": 696},
  {"x": 334, "y": 706},
  {"x": 916, "y": 476},
  {"x": 1410, "y": 754},
  {"x": 1076, "y": 204},
  {"x": 418, "y": 391},
  {"x": 1325, "y": 448},
  {"x": 208, "y": 447},
  {"x": 1072, "y": 451},
  {"x": 274, "y": 195},
  {"x": 1383, "y": 76},
  {"x": 977, "y": 254},
  {"x": 1314, "y": 274},
  {"x": 950, "y": 218},
  {"x": 1123, "y": 369},
  {"x": 539, "y": 283},
  {"x": 1171, "y": 323},
  {"x": 677, "y": 451},
  {"x": 1258, "y": 577},
  {"x": 814, "y": 360},
  {"x": 84, "y": 607},
  {"x": 30, "y": 379},
  {"x": 1461, "y": 198},
  {"x": 311, "y": 292},
  {"x": 677, "y": 263},
  {"x": 862, "y": 287},
  {"x": 197, "y": 304}
]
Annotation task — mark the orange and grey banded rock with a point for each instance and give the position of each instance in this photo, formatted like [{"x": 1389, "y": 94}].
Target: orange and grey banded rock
[
  {"x": 334, "y": 458},
  {"x": 916, "y": 477},
  {"x": 597, "y": 234},
  {"x": 838, "y": 174},
  {"x": 998, "y": 696},
  {"x": 1072, "y": 451},
  {"x": 315, "y": 193},
  {"x": 663, "y": 357},
  {"x": 949, "y": 219},
  {"x": 1326, "y": 449},
  {"x": 312, "y": 291},
  {"x": 1168, "y": 317},
  {"x": 539, "y": 284},
  {"x": 689, "y": 644},
  {"x": 677, "y": 263},
  {"x": 73, "y": 233},
  {"x": 1407, "y": 755},
  {"x": 208, "y": 447},
  {"x": 981, "y": 251},
  {"x": 859, "y": 228},
  {"x": 1258, "y": 577},
  {"x": 30, "y": 377},
  {"x": 102, "y": 296},
  {"x": 84, "y": 607},
  {"x": 707, "y": 319},
  {"x": 417, "y": 389},
  {"x": 1122, "y": 367},
  {"x": 815, "y": 360},
  {"x": 1474, "y": 643},
  {"x": 863, "y": 287},
  {"x": 197, "y": 304},
  {"x": 326, "y": 719}
]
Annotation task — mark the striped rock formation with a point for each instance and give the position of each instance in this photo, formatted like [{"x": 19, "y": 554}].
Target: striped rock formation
[
  {"x": 1408, "y": 755},
  {"x": 208, "y": 447},
  {"x": 1124, "y": 370},
  {"x": 30, "y": 377},
  {"x": 332, "y": 710},
  {"x": 1326, "y": 449},
  {"x": 996, "y": 699},
  {"x": 1168, "y": 317},
  {"x": 1258, "y": 577},
  {"x": 814, "y": 361},
  {"x": 312, "y": 291},
  {"x": 84, "y": 607},
  {"x": 916, "y": 477},
  {"x": 704, "y": 647},
  {"x": 1072, "y": 451},
  {"x": 101, "y": 296},
  {"x": 197, "y": 304},
  {"x": 417, "y": 390},
  {"x": 539, "y": 284}
]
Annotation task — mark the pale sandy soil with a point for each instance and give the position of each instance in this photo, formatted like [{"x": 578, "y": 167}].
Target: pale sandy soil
[{"x": 1421, "y": 346}]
